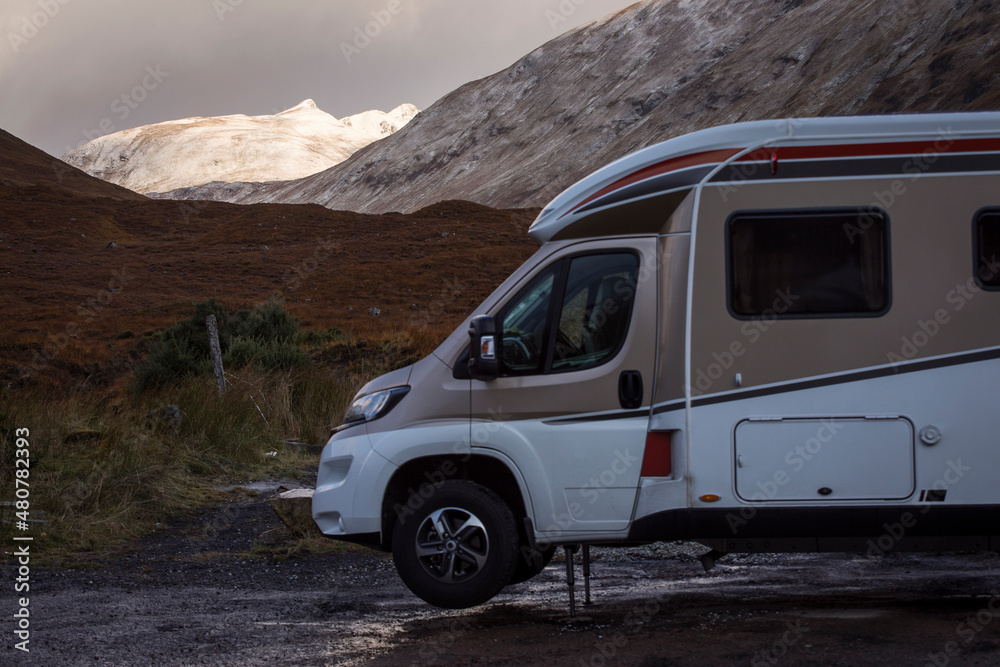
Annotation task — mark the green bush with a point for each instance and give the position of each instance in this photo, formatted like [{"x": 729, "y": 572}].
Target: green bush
[
  {"x": 269, "y": 323},
  {"x": 171, "y": 361},
  {"x": 266, "y": 337},
  {"x": 274, "y": 355}
]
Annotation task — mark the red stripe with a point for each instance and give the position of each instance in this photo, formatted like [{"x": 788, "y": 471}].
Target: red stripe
[
  {"x": 673, "y": 164},
  {"x": 872, "y": 150},
  {"x": 799, "y": 153}
]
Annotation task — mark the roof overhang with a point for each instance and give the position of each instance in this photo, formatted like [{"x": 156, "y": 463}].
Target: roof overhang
[{"x": 637, "y": 193}]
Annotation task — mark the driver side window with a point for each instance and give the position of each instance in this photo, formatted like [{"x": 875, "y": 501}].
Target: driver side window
[
  {"x": 525, "y": 326},
  {"x": 574, "y": 315}
]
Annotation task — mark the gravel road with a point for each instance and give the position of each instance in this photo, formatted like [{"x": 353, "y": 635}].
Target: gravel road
[{"x": 191, "y": 596}]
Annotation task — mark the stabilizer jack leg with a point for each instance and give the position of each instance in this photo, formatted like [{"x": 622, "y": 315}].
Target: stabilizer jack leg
[
  {"x": 570, "y": 578},
  {"x": 708, "y": 560},
  {"x": 586, "y": 576}
]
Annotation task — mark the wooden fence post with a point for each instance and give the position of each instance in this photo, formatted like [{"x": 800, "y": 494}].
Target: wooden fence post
[{"x": 213, "y": 344}]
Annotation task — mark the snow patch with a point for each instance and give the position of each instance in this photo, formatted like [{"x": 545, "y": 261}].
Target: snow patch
[{"x": 189, "y": 152}]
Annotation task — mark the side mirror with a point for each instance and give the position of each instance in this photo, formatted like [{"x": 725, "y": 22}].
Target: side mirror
[{"x": 483, "y": 362}]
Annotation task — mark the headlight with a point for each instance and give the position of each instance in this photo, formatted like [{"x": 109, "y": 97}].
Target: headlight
[{"x": 372, "y": 406}]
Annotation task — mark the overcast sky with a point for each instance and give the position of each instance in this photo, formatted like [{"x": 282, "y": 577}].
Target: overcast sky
[{"x": 73, "y": 69}]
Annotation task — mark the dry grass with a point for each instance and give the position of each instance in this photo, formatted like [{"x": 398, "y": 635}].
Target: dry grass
[
  {"x": 103, "y": 470},
  {"x": 107, "y": 465}
]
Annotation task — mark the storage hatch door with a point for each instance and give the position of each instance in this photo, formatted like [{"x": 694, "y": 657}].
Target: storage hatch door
[{"x": 858, "y": 458}]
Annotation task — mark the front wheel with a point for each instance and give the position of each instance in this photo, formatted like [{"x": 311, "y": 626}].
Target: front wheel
[{"x": 459, "y": 548}]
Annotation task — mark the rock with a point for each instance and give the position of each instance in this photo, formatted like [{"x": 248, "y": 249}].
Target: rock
[
  {"x": 294, "y": 508},
  {"x": 170, "y": 416}
]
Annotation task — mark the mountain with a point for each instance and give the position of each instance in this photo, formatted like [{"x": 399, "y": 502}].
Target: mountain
[
  {"x": 24, "y": 167},
  {"x": 183, "y": 153},
  {"x": 653, "y": 71}
]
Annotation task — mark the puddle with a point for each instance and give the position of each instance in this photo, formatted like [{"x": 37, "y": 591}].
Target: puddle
[
  {"x": 265, "y": 486},
  {"x": 849, "y": 614}
]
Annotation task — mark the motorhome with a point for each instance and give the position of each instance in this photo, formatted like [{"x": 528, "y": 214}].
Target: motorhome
[{"x": 772, "y": 336}]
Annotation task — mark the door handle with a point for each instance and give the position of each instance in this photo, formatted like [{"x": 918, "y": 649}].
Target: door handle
[{"x": 630, "y": 390}]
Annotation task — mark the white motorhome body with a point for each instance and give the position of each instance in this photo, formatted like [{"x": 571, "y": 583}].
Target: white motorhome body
[{"x": 776, "y": 335}]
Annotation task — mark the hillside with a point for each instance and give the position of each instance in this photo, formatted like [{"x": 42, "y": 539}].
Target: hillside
[
  {"x": 653, "y": 71},
  {"x": 22, "y": 166},
  {"x": 183, "y": 153},
  {"x": 89, "y": 268}
]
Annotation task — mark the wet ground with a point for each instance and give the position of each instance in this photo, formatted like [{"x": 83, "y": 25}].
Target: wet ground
[{"x": 194, "y": 594}]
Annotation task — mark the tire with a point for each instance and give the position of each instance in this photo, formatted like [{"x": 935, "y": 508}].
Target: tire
[
  {"x": 459, "y": 548},
  {"x": 526, "y": 567}
]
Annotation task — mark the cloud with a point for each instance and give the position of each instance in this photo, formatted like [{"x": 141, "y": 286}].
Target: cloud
[{"x": 66, "y": 65}]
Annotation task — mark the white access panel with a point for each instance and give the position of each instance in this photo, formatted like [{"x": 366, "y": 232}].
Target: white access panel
[{"x": 824, "y": 459}]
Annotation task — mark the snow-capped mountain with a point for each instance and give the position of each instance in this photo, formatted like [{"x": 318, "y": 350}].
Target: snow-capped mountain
[
  {"x": 656, "y": 70},
  {"x": 182, "y": 153}
]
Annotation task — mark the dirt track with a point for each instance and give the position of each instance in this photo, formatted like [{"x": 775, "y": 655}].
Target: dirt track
[{"x": 182, "y": 597}]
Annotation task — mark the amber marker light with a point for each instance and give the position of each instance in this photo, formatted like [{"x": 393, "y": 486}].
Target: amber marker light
[{"x": 710, "y": 498}]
